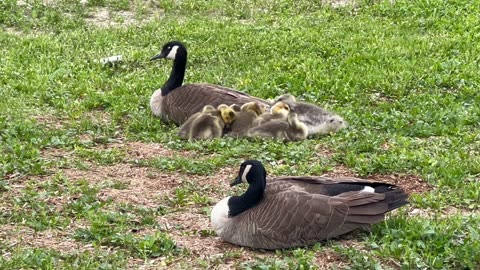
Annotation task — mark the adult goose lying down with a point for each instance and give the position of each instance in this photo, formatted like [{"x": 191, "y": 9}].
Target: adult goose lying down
[
  {"x": 175, "y": 102},
  {"x": 287, "y": 212}
]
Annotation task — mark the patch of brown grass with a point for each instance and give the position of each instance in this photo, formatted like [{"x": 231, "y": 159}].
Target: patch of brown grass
[
  {"x": 49, "y": 120},
  {"x": 59, "y": 240},
  {"x": 142, "y": 185},
  {"x": 105, "y": 17},
  {"x": 338, "y": 3},
  {"x": 140, "y": 150},
  {"x": 324, "y": 151}
]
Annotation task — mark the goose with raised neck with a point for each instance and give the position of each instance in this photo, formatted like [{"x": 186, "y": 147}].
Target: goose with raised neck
[{"x": 176, "y": 102}]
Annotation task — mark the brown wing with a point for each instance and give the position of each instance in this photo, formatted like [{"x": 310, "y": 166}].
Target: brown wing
[
  {"x": 291, "y": 215},
  {"x": 189, "y": 99}
]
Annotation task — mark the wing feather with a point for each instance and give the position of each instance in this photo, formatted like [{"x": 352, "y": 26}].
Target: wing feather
[
  {"x": 189, "y": 99},
  {"x": 291, "y": 215}
]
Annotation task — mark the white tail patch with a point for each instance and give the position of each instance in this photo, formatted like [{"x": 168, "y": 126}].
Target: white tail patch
[
  {"x": 368, "y": 189},
  {"x": 173, "y": 53},
  {"x": 245, "y": 172}
]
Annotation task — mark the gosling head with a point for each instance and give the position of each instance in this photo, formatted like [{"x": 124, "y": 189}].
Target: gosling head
[
  {"x": 280, "y": 108},
  {"x": 286, "y": 98},
  {"x": 172, "y": 50},
  {"x": 335, "y": 123},
  {"x": 255, "y": 107},
  {"x": 227, "y": 113},
  {"x": 208, "y": 109}
]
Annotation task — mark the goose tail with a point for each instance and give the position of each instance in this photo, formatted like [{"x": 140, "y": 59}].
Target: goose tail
[
  {"x": 373, "y": 209},
  {"x": 395, "y": 199}
]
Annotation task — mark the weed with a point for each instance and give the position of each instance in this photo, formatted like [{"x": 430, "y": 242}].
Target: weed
[{"x": 403, "y": 74}]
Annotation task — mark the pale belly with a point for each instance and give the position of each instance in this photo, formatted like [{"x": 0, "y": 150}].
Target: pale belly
[{"x": 156, "y": 103}]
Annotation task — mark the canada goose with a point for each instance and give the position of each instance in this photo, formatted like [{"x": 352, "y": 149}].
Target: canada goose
[
  {"x": 244, "y": 119},
  {"x": 292, "y": 211},
  {"x": 208, "y": 124},
  {"x": 278, "y": 111},
  {"x": 311, "y": 115},
  {"x": 290, "y": 129},
  {"x": 176, "y": 102}
]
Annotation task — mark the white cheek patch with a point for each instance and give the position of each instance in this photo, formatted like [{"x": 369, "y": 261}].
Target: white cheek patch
[
  {"x": 368, "y": 189},
  {"x": 245, "y": 172},
  {"x": 173, "y": 52}
]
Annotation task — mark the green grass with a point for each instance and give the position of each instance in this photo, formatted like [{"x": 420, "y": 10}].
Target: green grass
[{"x": 404, "y": 75}]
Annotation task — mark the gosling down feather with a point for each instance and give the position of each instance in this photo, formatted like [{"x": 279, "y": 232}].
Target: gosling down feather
[
  {"x": 293, "y": 211},
  {"x": 317, "y": 120},
  {"x": 245, "y": 118},
  {"x": 209, "y": 124},
  {"x": 175, "y": 102},
  {"x": 288, "y": 130}
]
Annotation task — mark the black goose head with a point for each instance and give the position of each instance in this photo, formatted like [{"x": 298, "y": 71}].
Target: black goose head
[
  {"x": 253, "y": 172},
  {"x": 250, "y": 171},
  {"x": 171, "y": 51}
]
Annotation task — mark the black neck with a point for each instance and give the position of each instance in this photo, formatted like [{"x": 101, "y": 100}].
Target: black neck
[
  {"x": 176, "y": 76},
  {"x": 251, "y": 197}
]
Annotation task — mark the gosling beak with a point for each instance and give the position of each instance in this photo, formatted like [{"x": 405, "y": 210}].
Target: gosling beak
[
  {"x": 158, "y": 56},
  {"x": 237, "y": 181}
]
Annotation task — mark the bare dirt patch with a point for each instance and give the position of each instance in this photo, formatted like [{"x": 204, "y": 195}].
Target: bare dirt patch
[
  {"x": 56, "y": 153},
  {"x": 339, "y": 3},
  {"x": 141, "y": 185},
  {"x": 98, "y": 116},
  {"x": 105, "y": 17},
  {"x": 134, "y": 150},
  {"x": 13, "y": 31},
  {"x": 59, "y": 240},
  {"x": 50, "y": 120},
  {"x": 324, "y": 151},
  {"x": 140, "y": 150},
  {"x": 138, "y": 185},
  {"x": 144, "y": 185}
]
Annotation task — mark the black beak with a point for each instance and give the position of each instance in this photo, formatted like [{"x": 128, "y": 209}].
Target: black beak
[
  {"x": 158, "y": 56},
  {"x": 237, "y": 181}
]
